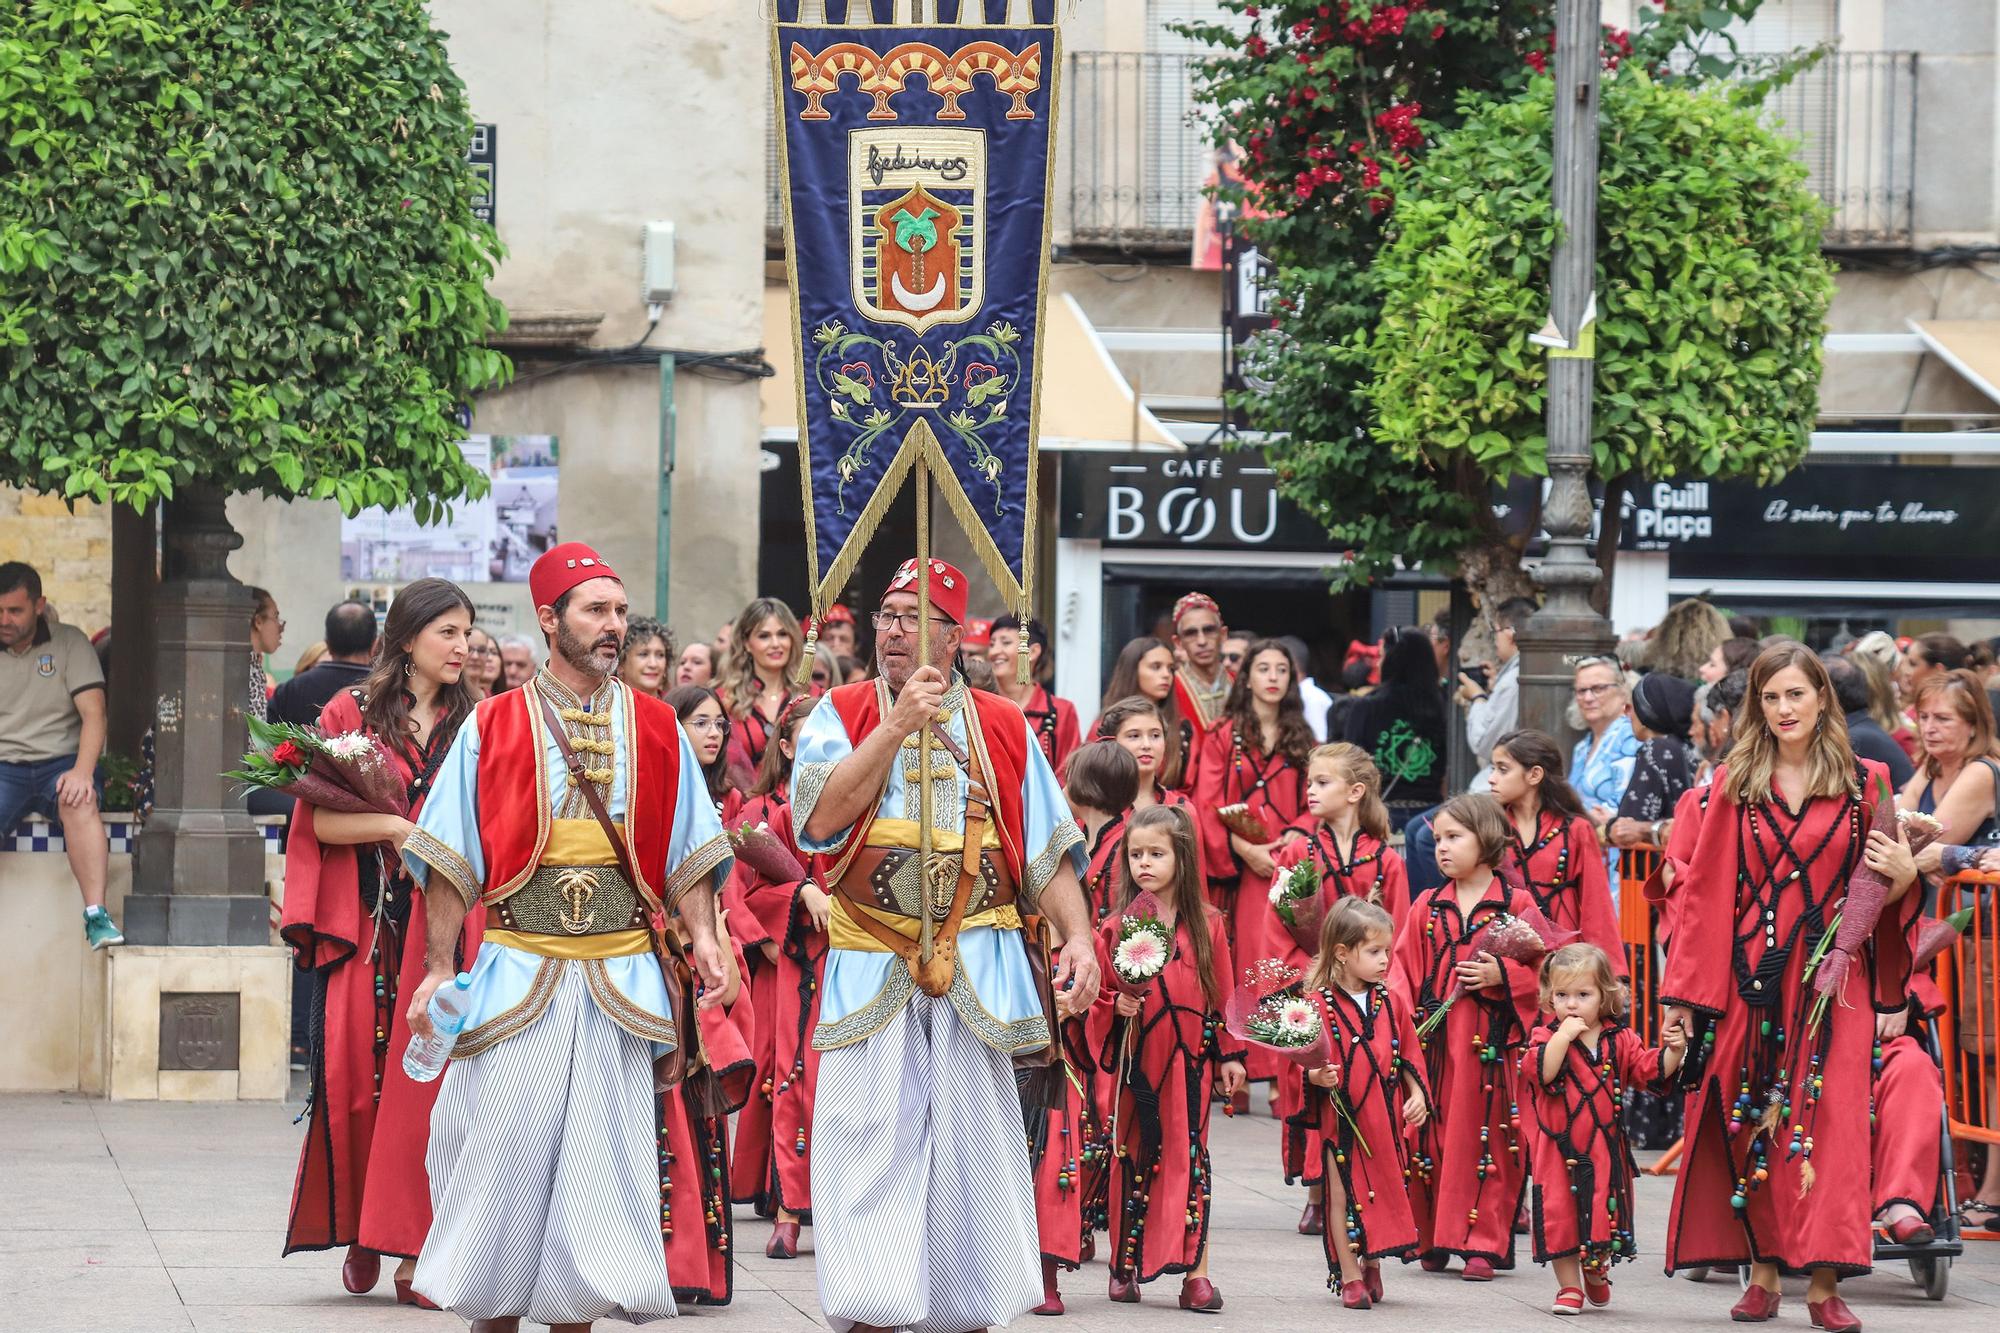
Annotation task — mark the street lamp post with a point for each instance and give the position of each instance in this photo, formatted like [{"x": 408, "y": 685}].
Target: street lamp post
[{"x": 1568, "y": 626}]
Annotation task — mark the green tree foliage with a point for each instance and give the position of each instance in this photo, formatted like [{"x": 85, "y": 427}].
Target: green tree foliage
[
  {"x": 1712, "y": 292},
  {"x": 236, "y": 248},
  {"x": 1320, "y": 105}
]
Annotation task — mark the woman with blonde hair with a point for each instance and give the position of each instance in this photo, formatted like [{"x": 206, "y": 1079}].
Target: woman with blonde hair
[
  {"x": 1778, "y": 1128},
  {"x": 765, "y": 649}
]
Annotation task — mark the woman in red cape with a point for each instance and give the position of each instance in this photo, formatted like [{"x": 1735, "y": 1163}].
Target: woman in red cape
[
  {"x": 1256, "y": 756},
  {"x": 361, "y": 1181},
  {"x": 696, "y": 1225},
  {"x": 1344, "y": 835},
  {"x": 1466, "y": 1185},
  {"x": 1778, "y": 1106},
  {"x": 1554, "y": 847}
]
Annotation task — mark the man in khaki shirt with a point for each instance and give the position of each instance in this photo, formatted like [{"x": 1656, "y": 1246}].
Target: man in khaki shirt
[{"x": 51, "y": 734}]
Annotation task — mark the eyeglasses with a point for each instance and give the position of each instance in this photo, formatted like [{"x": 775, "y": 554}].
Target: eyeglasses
[
  {"x": 1592, "y": 691},
  {"x": 884, "y": 621},
  {"x": 1232, "y": 658},
  {"x": 482, "y": 652},
  {"x": 716, "y": 725}
]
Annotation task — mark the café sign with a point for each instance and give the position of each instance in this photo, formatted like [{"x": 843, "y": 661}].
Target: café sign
[{"x": 1204, "y": 499}]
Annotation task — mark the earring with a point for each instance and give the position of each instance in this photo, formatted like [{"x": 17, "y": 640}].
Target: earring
[{"x": 409, "y": 668}]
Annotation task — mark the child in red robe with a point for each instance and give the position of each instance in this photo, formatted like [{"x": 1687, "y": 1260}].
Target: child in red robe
[
  {"x": 1553, "y": 844},
  {"x": 1362, "y": 1099},
  {"x": 1468, "y": 1183},
  {"x": 1165, "y": 1052},
  {"x": 1344, "y": 834},
  {"x": 1574, "y": 1075},
  {"x": 1136, "y": 724}
]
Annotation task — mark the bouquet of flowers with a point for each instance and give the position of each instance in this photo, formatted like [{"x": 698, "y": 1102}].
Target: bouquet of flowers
[
  {"x": 1867, "y": 891},
  {"x": 1144, "y": 945},
  {"x": 764, "y": 852},
  {"x": 1295, "y": 898},
  {"x": 1240, "y": 820},
  {"x": 1266, "y": 1011},
  {"x": 1935, "y": 935},
  {"x": 1520, "y": 939},
  {"x": 350, "y": 772}
]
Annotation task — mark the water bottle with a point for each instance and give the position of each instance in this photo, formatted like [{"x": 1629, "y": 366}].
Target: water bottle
[{"x": 425, "y": 1059}]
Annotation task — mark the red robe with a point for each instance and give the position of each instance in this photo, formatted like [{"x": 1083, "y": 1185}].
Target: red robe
[
  {"x": 1374, "y": 1045},
  {"x": 1104, "y": 877},
  {"x": 1581, "y": 1163},
  {"x": 1070, "y": 1161},
  {"x": 1565, "y": 871},
  {"x": 1196, "y": 727},
  {"x": 1161, "y": 1179},
  {"x": 1467, "y": 1186},
  {"x": 759, "y": 914},
  {"x": 695, "y": 1222},
  {"x": 795, "y": 1064},
  {"x": 749, "y": 738},
  {"x": 1682, "y": 839},
  {"x": 1371, "y": 871},
  {"x": 1054, "y": 723},
  {"x": 1760, "y": 891},
  {"x": 351, "y": 1187},
  {"x": 1273, "y": 787}
]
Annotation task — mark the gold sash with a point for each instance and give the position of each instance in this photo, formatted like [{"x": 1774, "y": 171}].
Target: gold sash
[{"x": 611, "y": 944}]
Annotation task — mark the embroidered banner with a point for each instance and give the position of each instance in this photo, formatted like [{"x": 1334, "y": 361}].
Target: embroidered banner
[{"x": 917, "y": 168}]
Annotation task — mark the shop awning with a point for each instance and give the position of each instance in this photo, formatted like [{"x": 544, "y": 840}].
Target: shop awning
[
  {"x": 1969, "y": 346},
  {"x": 1086, "y": 402}
]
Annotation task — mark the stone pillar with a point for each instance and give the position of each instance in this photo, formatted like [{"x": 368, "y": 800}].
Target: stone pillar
[
  {"x": 199, "y": 874},
  {"x": 1567, "y": 626},
  {"x": 135, "y": 590}
]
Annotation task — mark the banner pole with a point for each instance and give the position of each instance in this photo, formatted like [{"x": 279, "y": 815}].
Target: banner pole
[{"x": 923, "y": 471}]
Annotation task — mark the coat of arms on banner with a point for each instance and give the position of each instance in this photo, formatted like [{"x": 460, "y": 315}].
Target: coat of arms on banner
[{"x": 917, "y": 224}]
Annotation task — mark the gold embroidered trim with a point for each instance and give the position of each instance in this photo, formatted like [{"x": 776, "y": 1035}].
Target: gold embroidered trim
[
  {"x": 696, "y": 866},
  {"x": 872, "y": 1017},
  {"x": 538, "y": 735},
  {"x": 808, "y": 781},
  {"x": 443, "y": 859},
  {"x": 620, "y": 1010},
  {"x": 501, "y": 1026},
  {"x": 1044, "y": 867},
  {"x": 1024, "y": 1034}
]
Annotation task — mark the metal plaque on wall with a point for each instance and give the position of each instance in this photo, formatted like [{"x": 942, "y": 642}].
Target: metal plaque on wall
[
  {"x": 200, "y": 1029},
  {"x": 484, "y": 155}
]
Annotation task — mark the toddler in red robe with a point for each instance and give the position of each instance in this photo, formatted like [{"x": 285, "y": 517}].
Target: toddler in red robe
[
  {"x": 1574, "y": 1075},
  {"x": 1466, "y": 1183},
  {"x": 1361, "y": 1100}
]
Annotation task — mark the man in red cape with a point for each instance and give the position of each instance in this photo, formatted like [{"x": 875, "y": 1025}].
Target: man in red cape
[
  {"x": 923, "y": 1204},
  {"x": 544, "y": 1157}
]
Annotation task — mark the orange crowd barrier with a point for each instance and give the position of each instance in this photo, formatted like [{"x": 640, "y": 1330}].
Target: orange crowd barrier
[
  {"x": 1635, "y": 929},
  {"x": 1969, "y": 975}
]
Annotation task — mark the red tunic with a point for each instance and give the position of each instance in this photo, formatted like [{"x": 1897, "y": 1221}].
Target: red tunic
[
  {"x": 695, "y": 1222},
  {"x": 1054, "y": 723},
  {"x": 1908, "y": 1114},
  {"x": 1273, "y": 788},
  {"x": 1371, "y": 871},
  {"x": 1762, "y": 888},
  {"x": 795, "y": 1064},
  {"x": 1196, "y": 727},
  {"x": 1467, "y": 1187},
  {"x": 1565, "y": 871},
  {"x": 1682, "y": 839},
  {"x": 1071, "y": 1156},
  {"x": 1371, "y": 1040},
  {"x": 760, "y": 912},
  {"x": 1105, "y": 875},
  {"x": 749, "y": 738},
  {"x": 1581, "y": 1163},
  {"x": 353, "y": 1186},
  {"x": 1160, "y": 1176}
]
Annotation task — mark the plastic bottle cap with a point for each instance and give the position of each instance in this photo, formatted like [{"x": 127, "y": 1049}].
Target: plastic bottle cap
[{"x": 465, "y": 981}]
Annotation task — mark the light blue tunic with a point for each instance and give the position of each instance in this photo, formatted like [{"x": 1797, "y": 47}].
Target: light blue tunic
[
  {"x": 1601, "y": 778},
  {"x": 995, "y": 988},
  {"x": 503, "y": 978}
]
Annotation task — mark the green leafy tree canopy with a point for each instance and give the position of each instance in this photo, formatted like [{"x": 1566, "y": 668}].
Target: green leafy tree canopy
[
  {"x": 1711, "y": 286},
  {"x": 237, "y": 248}
]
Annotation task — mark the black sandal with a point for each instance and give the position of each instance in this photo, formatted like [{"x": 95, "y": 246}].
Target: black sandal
[{"x": 1979, "y": 1216}]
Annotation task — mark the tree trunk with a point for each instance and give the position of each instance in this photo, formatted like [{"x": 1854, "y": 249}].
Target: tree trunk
[{"x": 1492, "y": 569}]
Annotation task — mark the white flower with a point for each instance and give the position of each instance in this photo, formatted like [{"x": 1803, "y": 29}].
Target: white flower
[
  {"x": 1298, "y": 1018},
  {"x": 1139, "y": 956},
  {"x": 1278, "y": 891},
  {"x": 348, "y": 745}
]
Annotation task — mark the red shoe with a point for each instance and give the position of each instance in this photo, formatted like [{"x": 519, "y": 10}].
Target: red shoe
[
  {"x": 1832, "y": 1315},
  {"x": 1478, "y": 1270},
  {"x": 406, "y": 1295},
  {"x": 1569, "y": 1300},
  {"x": 1088, "y": 1250},
  {"x": 1756, "y": 1306},
  {"x": 1434, "y": 1262},
  {"x": 1372, "y": 1279},
  {"x": 1912, "y": 1230},
  {"x": 1123, "y": 1289},
  {"x": 1354, "y": 1296},
  {"x": 1198, "y": 1293},
  {"x": 784, "y": 1242},
  {"x": 1051, "y": 1298},
  {"x": 1312, "y": 1222},
  {"x": 1596, "y": 1288},
  {"x": 361, "y": 1270}
]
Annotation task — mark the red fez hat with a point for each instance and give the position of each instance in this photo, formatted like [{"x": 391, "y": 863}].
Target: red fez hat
[
  {"x": 837, "y": 614},
  {"x": 563, "y": 567},
  {"x": 948, "y": 588},
  {"x": 978, "y": 633}
]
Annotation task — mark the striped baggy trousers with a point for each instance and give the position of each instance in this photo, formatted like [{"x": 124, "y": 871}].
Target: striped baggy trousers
[
  {"x": 544, "y": 1167},
  {"x": 923, "y": 1205}
]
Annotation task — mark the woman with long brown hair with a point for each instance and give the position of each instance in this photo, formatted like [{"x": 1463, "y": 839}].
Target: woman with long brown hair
[
  {"x": 1778, "y": 1127},
  {"x": 348, "y": 918},
  {"x": 765, "y": 650},
  {"x": 1145, "y": 667}
]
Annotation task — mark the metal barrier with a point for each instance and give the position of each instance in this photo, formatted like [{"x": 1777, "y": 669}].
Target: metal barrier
[
  {"x": 1969, "y": 975},
  {"x": 1635, "y": 930}
]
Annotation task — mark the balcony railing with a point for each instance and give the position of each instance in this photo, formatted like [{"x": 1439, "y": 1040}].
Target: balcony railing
[{"x": 1855, "y": 115}]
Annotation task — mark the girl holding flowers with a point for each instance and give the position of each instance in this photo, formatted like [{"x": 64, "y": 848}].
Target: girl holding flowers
[
  {"x": 1342, "y": 841},
  {"x": 1553, "y": 844},
  {"x": 1361, "y": 1100},
  {"x": 1467, "y": 1186},
  {"x": 1165, "y": 1050},
  {"x": 1574, "y": 1076}
]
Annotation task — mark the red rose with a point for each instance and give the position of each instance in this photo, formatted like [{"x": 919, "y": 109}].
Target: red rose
[{"x": 288, "y": 754}]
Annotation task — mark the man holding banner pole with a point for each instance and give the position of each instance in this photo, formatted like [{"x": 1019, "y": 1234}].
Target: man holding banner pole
[{"x": 922, "y": 1196}]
